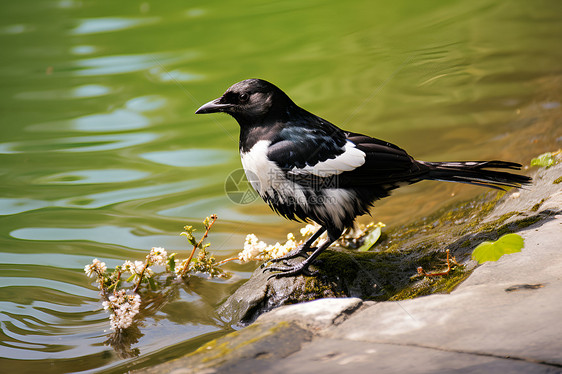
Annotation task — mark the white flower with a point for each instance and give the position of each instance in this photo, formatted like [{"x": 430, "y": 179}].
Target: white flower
[
  {"x": 309, "y": 229},
  {"x": 275, "y": 250},
  {"x": 148, "y": 273},
  {"x": 128, "y": 267},
  {"x": 179, "y": 267},
  {"x": 157, "y": 256},
  {"x": 257, "y": 250},
  {"x": 137, "y": 267},
  {"x": 123, "y": 307},
  {"x": 95, "y": 268},
  {"x": 280, "y": 250},
  {"x": 253, "y": 249}
]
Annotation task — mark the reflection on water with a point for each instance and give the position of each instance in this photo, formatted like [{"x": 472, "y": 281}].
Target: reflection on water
[
  {"x": 190, "y": 157},
  {"x": 94, "y": 176},
  {"x": 83, "y": 91},
  {"x": 223, "y": 209},
  {"x": 102, "y": 156},
  {"x": 176, "y": 75},
  {"x": 78, "y": 144},
  {"x": 82, "y": 50},
  {"x": 146, "y": 103},
  {"x": 99, "y": 200},
  {"x": 117, "y": 120},
  {"x": 95, "y": 25},
  {"x": 19, "y": 205},
  {"x": 119, "y": 64}
]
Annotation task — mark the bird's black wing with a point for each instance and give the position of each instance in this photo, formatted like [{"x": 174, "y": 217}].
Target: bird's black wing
[
  {"x": 385, "y": 163},
  {"x": 298, "y": 147},
  {"x": 314, "y": 153}
]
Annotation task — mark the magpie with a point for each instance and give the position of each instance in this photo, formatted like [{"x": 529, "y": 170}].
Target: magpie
[{"x": 308, "y": 169}]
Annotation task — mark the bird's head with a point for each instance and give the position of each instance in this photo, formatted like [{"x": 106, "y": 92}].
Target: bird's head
[{"x": 250, "y": 101}]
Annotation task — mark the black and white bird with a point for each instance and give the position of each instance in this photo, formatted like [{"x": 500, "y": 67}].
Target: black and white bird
[{"x": 308, "y": 169}]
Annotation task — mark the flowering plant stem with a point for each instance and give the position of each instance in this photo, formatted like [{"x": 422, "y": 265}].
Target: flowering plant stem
[
  {"x": 198, "y": 245},
  {"x": 140, "y": 276},
  {"x": 114, "y": 284},
  {"x": 227, "y": 260}
]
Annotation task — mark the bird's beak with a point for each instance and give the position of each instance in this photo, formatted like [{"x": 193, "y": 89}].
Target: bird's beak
[{"x": 213, "y": 107}]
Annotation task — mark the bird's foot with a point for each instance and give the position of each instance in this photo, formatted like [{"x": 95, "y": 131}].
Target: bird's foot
[
  {"x": 298, "y": 252},
  {"x": 290, "y": 270}
]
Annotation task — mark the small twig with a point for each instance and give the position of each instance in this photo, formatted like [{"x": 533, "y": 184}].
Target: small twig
[
  {"x": 226, "y": 260},
  {"x": 101, "y": 287},
  {"x": 117, "y": 278},
  {"x": 184, "y": 270},
  {"x": 446, "y": 272},
  {"x": 140, "y": 276}
]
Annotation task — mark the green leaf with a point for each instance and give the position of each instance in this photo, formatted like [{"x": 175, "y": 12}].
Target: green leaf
[
  {"x": 545, "y": 160},
  {"x": 152, "y": 284},
  {"x": 189, "y": 237},
  {"x": 370, "y": 239},
  {"x": 492, "y": 251},
  {"x": 172, "y": 262}
]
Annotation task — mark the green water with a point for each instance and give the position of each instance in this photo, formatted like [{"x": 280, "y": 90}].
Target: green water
[{"x": 102, "y": 156}]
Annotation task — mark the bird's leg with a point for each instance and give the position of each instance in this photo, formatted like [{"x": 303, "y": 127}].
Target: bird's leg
[
  {"x": 301, "y": 250},
  {"x": 302, "y": 267}
]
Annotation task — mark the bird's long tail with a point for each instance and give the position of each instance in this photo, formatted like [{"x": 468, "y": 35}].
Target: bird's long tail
[{"x": 477, "y": 173}]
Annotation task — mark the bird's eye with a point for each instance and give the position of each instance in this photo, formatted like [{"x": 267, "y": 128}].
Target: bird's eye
[{"x": 244, "y": 97}]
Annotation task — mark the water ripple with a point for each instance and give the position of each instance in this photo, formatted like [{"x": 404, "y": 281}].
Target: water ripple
[
  {"x": 117, "y": 120},
  {"x": 78, "y": 144},
  {"x": 60, "y": 286},
  {"x": 18, "y": 205},
  {"x": 101, "y": 199},
  {"x": 224, "y": 209},
  {"x": 83, "y": 50},
  {"x": 79, "y": 92},
  {"x": 176, "y": 75},
  {"x": 119, "y": 64},
  {"x": 190, "y": 157},
  {"x": 106, "y": 24},
  {"x": 93, "y": 177},
  {"x": 59, "y": 260},
  {"x": 146, "y": 103},
  {"x": 121, "y": 236}
]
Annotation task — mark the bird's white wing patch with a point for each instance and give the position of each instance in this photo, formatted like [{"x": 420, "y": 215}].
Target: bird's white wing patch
[{"x": 350, "y": 159}]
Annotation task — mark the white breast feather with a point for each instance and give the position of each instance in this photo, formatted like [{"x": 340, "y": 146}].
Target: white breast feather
[
  {"x": 350, "y": 159},
  {"x": 258, "y": 167},
  {"x": 265, "y": 176},
  {"x": 331, "y": 204}
]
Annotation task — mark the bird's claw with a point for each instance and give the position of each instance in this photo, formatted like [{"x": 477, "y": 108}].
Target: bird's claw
[
  {"x": 300, "y": 268},
  {"x": 293, "y": 254}
]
